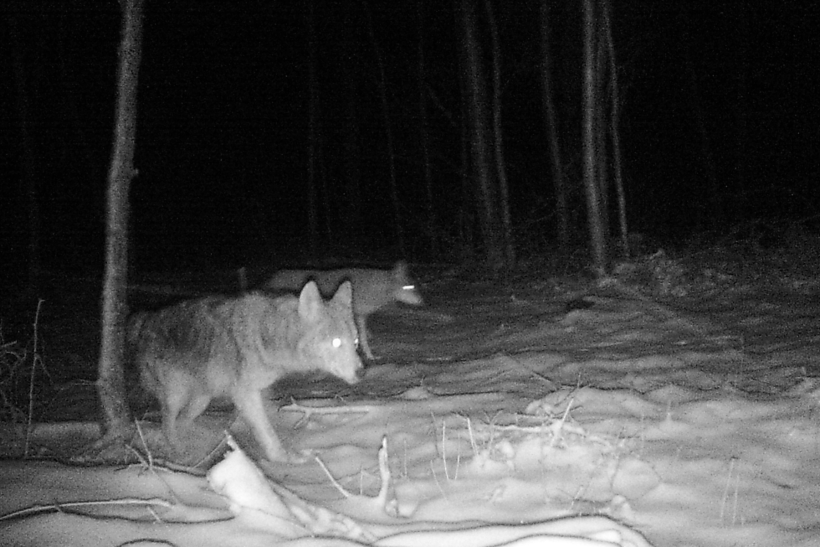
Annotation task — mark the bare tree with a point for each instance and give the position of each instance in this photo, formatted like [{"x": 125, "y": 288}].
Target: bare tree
[
  {"x": 352, "y": 160},
  {"x": 614, "y": 126},
  {"x": 595, "y": 211},
  {"x": 116, "y": 419},
  {"x": 599, "y": 101},
  {"x": 479, "y": 136},
  {"x": 551, "y": 122},
  {"x": 313, "y": 133},
  {"x": 424, "y": 137},
  {"x": 388, "y": 130},
  {"x": 498, "y": 140}
]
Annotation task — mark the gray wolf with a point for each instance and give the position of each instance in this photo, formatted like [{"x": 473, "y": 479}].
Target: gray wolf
[
  {"x": 373, "y": 289},
  {"x": 236, "y": 346}
]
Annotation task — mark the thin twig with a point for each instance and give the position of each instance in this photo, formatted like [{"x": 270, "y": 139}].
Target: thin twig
[
  {"x": 35, "y": 359},
  {"x": 333, "y": 481},
  {"x": 36, "y": 509}
]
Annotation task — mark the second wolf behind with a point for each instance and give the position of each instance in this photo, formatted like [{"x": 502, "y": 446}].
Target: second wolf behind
[
  {"x": 235, "y": 347},
  {"x": 373, "y": 289}
]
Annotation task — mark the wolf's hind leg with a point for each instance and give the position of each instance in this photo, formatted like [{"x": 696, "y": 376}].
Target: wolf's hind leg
[
  {"x": 197, "y": 403},
  {"x": 250, "y": 406},
  {"x": 170, "y": 411},
  {"x": 181, "y": 403}
]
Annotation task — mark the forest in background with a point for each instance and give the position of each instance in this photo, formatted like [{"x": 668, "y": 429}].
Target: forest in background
[{"x": 717, "y": 127}]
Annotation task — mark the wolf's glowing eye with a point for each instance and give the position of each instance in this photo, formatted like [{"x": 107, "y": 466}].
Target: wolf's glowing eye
[
  {"x": 337, "y": 342},
  {"x": 408, "y": 287}
]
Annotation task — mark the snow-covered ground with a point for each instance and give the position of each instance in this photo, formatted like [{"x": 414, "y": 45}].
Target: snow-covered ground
[{"x": 494, "y": 417}]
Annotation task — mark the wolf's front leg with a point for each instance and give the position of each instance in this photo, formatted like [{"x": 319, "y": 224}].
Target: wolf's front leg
[
  {"x": 361, "y": 326},
  {"x": 250, "y": 406}
]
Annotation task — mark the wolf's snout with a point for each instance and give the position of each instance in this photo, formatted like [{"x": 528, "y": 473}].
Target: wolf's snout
[{"x": 353, "y": 376}]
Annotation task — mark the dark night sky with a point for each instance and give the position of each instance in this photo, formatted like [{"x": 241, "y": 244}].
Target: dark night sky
[{"x": 222, "y": 130}]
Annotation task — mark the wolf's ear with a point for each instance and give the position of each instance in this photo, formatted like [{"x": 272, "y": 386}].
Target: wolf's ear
[
  {"x": 311, "y": 304},
  {"x": 400, "y": 269},
  {"x": 344, "y": 294}
]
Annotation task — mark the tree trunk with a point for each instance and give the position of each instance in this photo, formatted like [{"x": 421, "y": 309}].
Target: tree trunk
[
  {"x": 498, "y": 142},
  {"x": 466, "y": 222},
  {"x": 353, "y": 216},
  {"x": 551, "y": 119},
  {"x": 313, "y": 134},
  {"x": 474, "y": 82},
  {"x": 424, "y": 137},
  {"x": 388, "y": 130},
  {"x": 590, "y": 154},
  {"x": 601, "y": 122},
  {"x": 116, "y": 419},
  {"x": 615, "y": 121}
]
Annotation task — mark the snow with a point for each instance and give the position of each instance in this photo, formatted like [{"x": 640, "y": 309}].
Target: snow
[{"x": 492, "y": 419}]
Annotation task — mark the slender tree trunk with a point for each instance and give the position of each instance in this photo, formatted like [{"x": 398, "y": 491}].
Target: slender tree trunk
[
  {"x": 480, "y": 151},
  {"x": 466, "y": 222},
  {"x": 601, "y": 122},
  {"x": 353, "y": 161},
  {"x": 424, "y": 137},
  {"x": 388, "y": 130},
  {"x": 317, "y": 176},
  {"x": 551, "y": 119},
  {"x": 29, "y": 166},
  {"x": 116, "y": 422},
  {"x": 590, "y": 154},
  {"x": 615, "y": 122},
  {"x": 498, "y": 142},
  {"x": 313, "y": 134}
]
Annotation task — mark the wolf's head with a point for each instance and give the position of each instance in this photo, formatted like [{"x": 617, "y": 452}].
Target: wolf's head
[
  {"x": 404, "y": 289},
  {"x": 330, "y": 339}
]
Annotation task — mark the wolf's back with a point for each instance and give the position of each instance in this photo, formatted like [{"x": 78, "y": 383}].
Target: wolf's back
[{"x": 293, "y": 280}]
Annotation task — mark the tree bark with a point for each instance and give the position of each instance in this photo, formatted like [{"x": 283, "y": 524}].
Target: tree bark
[
  {"x": 590, "y": 154},
  {"x": 601, "y": 121},
  {"x": 313, "y": 134},
  {"x": 498, "y": 142},
  {"x": 477, "y": 109},
  {"x": 388, "y": 130},
  {"x": 615, "y": 117},
  {"x": 353, "y": 217},
  {"x": 551, "y": 119},
  {"x": 116, "y": 419},
  {"x": 424, "y": 138}
]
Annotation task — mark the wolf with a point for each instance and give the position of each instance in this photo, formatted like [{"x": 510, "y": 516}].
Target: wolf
[
  {"x": 373, "y": 289},
  {"x": 236, "y": 346}
]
